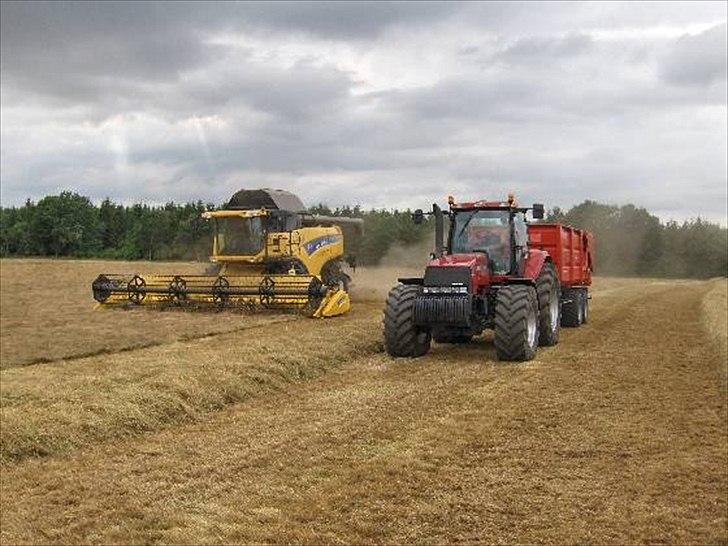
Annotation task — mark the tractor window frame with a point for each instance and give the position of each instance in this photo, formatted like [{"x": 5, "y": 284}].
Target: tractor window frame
[{"x": 499, "y": 252}]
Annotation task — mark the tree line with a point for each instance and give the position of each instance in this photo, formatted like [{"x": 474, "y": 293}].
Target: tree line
[
  {"x": 71, "y": 225},
  {"x": 629, "y": 240}
]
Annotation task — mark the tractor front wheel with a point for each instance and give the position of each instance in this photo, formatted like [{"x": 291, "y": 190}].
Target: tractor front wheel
[
  {"x": 402, "y": 337},
  {"x": 516, "y": 323}
]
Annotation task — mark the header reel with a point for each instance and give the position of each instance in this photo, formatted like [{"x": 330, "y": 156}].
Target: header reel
[{"x": 302, "y": 293}]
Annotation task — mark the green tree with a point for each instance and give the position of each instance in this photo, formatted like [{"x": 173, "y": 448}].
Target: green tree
[{"x": 65, "y": 225}]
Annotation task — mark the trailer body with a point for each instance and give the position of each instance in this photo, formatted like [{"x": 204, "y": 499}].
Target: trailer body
[{"x": 570, "y": 249}]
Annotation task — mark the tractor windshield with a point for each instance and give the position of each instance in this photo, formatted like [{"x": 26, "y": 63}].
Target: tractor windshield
[
  {"x": 238, "y": 236},
  {"x": 485, "y": 231}
]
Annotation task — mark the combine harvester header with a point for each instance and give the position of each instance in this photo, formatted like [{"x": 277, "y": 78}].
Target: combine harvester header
[{"x": 267, "y": 252}]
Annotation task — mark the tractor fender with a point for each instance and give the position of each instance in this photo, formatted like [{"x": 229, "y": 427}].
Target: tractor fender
[{"x": 534, "y": 263}]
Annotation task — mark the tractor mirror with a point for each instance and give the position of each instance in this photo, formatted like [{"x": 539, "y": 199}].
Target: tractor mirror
[
  {"x": 537, "y": 211},
  {"x": 418, "y": 216}
]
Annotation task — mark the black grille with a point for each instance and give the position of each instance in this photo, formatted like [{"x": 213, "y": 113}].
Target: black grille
[
  {"x": 447, "y": 276},
  {"x": 446, "y": 309}
]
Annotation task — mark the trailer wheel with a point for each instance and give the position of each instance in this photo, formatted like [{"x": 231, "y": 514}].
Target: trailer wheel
[
  {"x": 572, "y": 308},
  {"x": 548, "y": 290},
  {"x": 516, "y": 323},
  {"x": 402, "y": 337},
  {"x": 453, "y": 338},
  {"x": 585, "y": 306}
]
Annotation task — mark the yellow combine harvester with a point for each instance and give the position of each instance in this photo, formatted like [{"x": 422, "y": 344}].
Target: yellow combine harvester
[{"x": 267, "y": 252}]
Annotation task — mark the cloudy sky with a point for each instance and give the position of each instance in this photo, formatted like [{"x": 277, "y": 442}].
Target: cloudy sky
[{"x": 382, "y": 104}]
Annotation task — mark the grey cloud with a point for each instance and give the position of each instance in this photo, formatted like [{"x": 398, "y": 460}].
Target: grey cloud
[
  {"x": 697, "y": 60},
  {"x": 345, "y": 20},
  {"x": 73, "y": 50},
  {"x": 544, "y": 48},
  {"x": 553, "y": 114}
]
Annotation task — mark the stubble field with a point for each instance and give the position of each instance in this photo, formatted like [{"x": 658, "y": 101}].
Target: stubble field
[{"x": 157, "y": 427}]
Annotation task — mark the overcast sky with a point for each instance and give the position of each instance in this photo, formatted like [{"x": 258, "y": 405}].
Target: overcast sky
[{"x": 381, "y": 104}]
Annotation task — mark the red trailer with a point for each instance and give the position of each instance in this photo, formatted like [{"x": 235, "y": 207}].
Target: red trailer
[
  {"x": 571, "y": 249},
  {"x": 572, "y": 252},
  {"x": 493, "y": 270}
]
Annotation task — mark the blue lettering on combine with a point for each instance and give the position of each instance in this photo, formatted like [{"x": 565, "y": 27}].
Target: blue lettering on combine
[{"x": 320, "y": 242}]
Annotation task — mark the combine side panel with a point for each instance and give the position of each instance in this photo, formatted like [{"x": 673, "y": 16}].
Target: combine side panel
[{"x": 571, "y": 249}]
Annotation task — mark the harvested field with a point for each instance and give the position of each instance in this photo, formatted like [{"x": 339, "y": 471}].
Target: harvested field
[
  {"x": 715, "y": 319},
  {"x": 304, "y": 431},
  {"x": 48, "y": 312}
]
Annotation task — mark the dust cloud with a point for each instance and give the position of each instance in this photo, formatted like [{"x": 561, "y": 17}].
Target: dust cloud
[{"x": 372, "y": 283}]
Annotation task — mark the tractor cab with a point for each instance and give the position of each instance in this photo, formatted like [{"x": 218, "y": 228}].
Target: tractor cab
[
  {"x": 487, "y": 231},
  {"x": 495, "y": 229}
]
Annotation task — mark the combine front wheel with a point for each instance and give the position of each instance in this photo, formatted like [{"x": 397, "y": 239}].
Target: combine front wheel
[
  {"x": 516, "y": 323},
  {"x": 402, "y": 337}
]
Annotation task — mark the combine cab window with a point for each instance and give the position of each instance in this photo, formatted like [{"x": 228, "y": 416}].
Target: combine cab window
[
  {"x": 484, "y": 230},
  {"x": 239, "y": 236}
]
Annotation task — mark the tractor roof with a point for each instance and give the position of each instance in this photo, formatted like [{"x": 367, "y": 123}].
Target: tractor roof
[
  {"x": 265, "y": 198},
  {"x": 487, "y": 205}
]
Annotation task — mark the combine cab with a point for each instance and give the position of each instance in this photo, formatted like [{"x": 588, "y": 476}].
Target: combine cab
[
  {"x": 495, "y": 271},
  {"x": 267, "y": 253}
]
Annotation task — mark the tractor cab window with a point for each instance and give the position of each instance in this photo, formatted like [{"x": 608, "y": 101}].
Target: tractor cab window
[
  {"x": 520, "y": 231},
  {"x": 237, "y": 236},
  {"x": 484, "y": 231}
]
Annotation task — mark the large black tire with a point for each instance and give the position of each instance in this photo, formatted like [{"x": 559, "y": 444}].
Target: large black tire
[
  {"x": 332, "y": 275},
  {"x": 548, "y": 290},
  {"x": 572, "y": 308},
  {"x": 584, "y": 305},
  {"x": 452, "y": 338},
  {"x": 516, "y": 323},
  {"x": 402, "y": 338}
]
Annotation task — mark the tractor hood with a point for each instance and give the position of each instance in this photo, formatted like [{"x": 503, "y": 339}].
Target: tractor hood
[{"x": 456, "y": 268}]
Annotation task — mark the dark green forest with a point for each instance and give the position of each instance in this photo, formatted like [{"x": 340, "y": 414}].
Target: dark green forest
[{"x": 629, "y": 240}]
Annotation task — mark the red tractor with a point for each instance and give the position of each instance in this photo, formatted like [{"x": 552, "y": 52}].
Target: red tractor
[{"x": 496, "y": 270}]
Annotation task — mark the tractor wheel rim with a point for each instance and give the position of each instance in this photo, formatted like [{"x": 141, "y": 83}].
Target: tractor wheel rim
[
  {"x": 531, "y": 329},
  {"x": 554, "y": 311}
]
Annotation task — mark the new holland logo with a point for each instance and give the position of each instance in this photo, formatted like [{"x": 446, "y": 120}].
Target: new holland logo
[{"x": 319, "y": 243}]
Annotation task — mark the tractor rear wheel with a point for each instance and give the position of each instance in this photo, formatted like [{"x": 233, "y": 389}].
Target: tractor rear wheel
[
  {"x": 572, "y": 310},
  {"x": 402, "y": 337},
  {"x": 548, "y": 290},
  {"x": 516, "y": 323}
]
